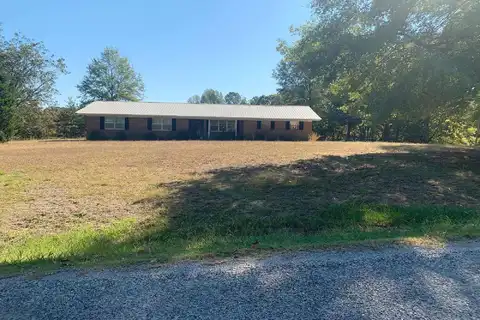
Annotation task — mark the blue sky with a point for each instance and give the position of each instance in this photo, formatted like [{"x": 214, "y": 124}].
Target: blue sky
[{"x": 180, "y": 47}]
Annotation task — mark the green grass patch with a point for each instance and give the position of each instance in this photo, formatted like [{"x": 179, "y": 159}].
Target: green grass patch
[{"x": 222, "y": 234}]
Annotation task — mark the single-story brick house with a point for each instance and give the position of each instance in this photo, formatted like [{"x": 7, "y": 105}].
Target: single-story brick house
[{"x": 160, "y": 120}]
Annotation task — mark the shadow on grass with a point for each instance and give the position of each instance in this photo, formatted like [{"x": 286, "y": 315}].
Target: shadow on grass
[{"x": 409, "y": 191}]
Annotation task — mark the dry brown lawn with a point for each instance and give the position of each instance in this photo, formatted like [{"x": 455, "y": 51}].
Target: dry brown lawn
[
  {"x": 53, "y": 186},
  {"x": 181, "y": 191}
]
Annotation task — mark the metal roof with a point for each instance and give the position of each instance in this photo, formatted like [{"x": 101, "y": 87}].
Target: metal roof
[{"x": 199, "y": 111}]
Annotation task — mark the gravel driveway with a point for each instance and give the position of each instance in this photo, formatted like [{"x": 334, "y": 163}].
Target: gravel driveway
[{"x": 391, "y": 283}]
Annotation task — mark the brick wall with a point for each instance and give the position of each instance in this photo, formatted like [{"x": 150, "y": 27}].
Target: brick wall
[
  {"x": 250, "y": 130},
  {"x": 182, "y": 124},
  {"x": 138, "y": 129}
]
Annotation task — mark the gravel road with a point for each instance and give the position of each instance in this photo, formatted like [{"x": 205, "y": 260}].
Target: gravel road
[{"x": 391, "y": 283}]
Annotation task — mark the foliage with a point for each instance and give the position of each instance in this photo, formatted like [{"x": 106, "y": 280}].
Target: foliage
[
  {"x": 68, "y": 124},
  {"x": 212, "y": 97},
  {"x": 111, "y": 78},
  {"x": 27, "y": 81},
  {"x": 194, "y": 99},
  {"x": 398, "y": 66},
  {"x": 96, "y": 135},
  {"x": 233, "y": 98},
  {"x": 150, "y": 136},
  {"x": 6, "y": 112},
  {"x": 272, "y": 99},
  {"x": 3, "y": 137},
  {"x": 120, "y": 136}
]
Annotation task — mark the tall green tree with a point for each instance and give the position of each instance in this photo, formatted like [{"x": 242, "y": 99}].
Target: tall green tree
[
  {"x": 267, "y": 100},
  {"x": 28, "y": 72},
  {"x": 195, "y": 99},
  {"x": 233, "y": 98},
  {"x": 212, "y": 96},
  {"x": 68, "y": 124},
  {"x": 400, "y": 66},
  {"x": 111, "y": 78}
]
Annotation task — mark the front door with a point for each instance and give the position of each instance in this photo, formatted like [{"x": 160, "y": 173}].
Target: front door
[
  {"x": 196, "y": 128},
  {"x": 240, "y": 129}
]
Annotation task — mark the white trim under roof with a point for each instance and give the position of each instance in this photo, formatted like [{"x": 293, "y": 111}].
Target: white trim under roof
[{"x": 199, "y": 111}]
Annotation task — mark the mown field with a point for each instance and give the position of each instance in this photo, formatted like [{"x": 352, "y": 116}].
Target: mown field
[{"x": 68, "y": 203}]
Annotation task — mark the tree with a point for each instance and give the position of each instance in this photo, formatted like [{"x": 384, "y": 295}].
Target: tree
[
  {"x": 28, "y": 73},
  {"x": 68, "y": 124},
  {"x": 6, "y": 111},
  {"x": 407, "y": 69},
  {"x": 267, "y": 100},
  {"x": 212, "y": 97},
  {"x": 194, "y": 99},
  {"x": 111, "y": 78},
  {"x": 233, "y": 98},
  {"x": 30, "y": 122}
]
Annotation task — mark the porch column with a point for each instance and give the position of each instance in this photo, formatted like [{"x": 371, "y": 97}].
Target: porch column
[{"x": 208, "y": 125}]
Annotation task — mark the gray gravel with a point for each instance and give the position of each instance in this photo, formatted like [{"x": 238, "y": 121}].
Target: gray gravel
[{"x": 391, "y": 283}]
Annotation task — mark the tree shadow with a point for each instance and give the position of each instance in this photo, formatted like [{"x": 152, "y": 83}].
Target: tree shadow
[
  {"x": 361, "y": 193},
  {"x": 352, "y": 197}
]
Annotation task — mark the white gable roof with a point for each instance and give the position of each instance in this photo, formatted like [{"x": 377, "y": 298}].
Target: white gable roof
[{"x": 199, "y": 111}]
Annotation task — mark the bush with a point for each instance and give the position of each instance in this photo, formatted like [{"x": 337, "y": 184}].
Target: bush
[
  {"x": 97, "y": 135},
  {"x": 120, "y": 136},
  {"x": 286, "y": 138},
  {"x": 181, "y": 135},
  {"x": 259, "y": 136},
  {"x": 3, "y": 137},
  {"x": 222, "y": 136},
  {"x": 271, "y": 137},
  {"x": 150, "y": 136}
]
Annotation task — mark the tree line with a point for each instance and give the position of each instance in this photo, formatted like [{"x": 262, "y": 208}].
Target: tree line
[
  {"x": 389, "y": 70},
  {"x": 211, "y": 96}
]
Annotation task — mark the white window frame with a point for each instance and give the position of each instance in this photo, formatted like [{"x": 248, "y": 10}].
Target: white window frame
[
  {"x": 117, "y": 122},
  {"x": 229, "y": 125},
  {"x": 161, "y": 124},
  {"x": 295, "y": 125}
]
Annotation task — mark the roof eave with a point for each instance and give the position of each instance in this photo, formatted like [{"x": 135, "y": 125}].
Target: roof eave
[{"x": 195, "y": 117}]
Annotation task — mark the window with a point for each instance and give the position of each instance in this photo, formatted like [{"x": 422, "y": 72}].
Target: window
[
  {"x": 259, "y": 125},
  {"x": 294, "y": 125},
  {"x": 161, "y": 124},
  {"x": 272, "y": 125},
  {"x": 222, "y": 126},
  {"x": 114, "y": 123}
]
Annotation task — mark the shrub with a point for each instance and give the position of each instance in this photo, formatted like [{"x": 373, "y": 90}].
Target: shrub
[
  {"x": 120, "y": 136},
  {"x": 259, "y": 136},
  {"x": 271, "y": 137},
  {"x": 181, "y": 135},
  {"x": 3, "y": 137},
  {"x": 286, "y": 138},
  {"x": 97, "y": 135},
  {"x": 313, "y": 136},
  {"x": 150, "y": 136}
]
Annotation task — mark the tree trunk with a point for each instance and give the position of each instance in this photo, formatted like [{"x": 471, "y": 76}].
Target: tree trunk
[
  {"x": 347, "y": 136},
  {"x": 386, "y": 132}
]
